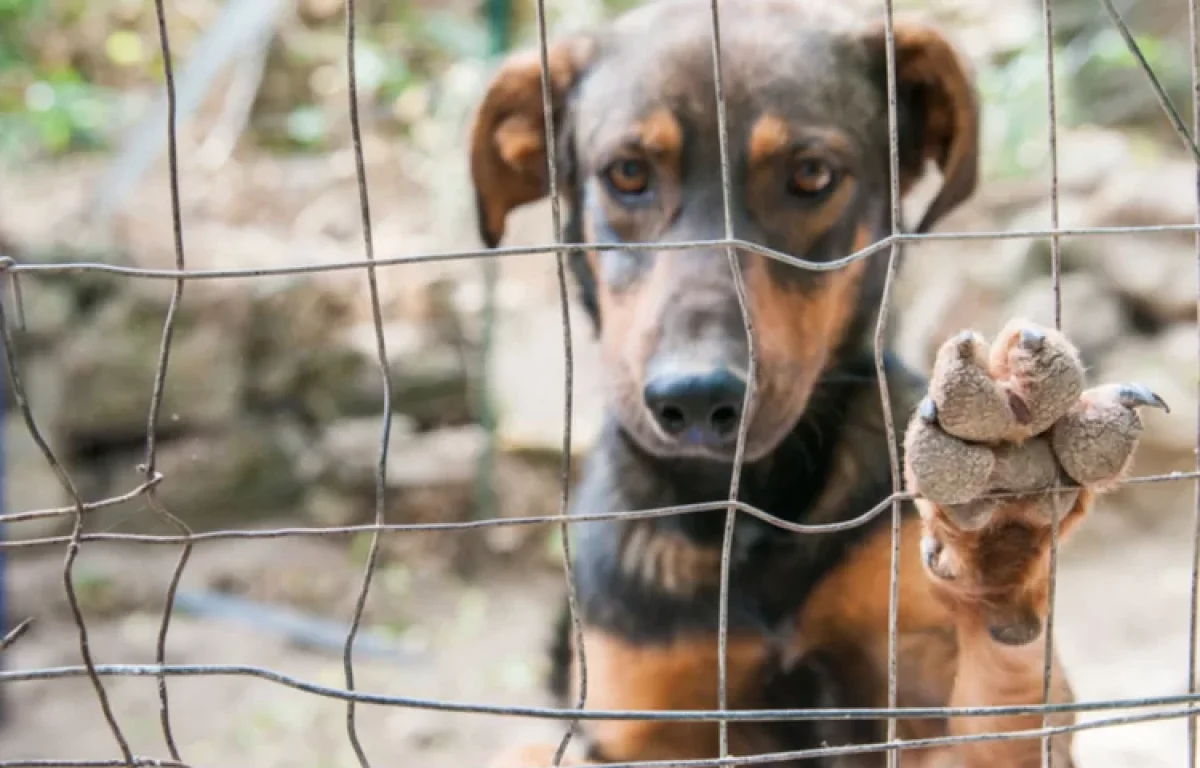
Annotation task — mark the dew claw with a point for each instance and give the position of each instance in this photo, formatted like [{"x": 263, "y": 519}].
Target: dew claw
[{"x": 928, "y": 410}]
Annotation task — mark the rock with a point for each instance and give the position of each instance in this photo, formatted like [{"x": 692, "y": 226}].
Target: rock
[
  {"x": 297, "y": 360},
  {"x": 430, "y": 382},
  {"x": 109, "y": 367},
  {"x": 30, "y": 483},
  {"x": 1091, "y": 315},
  {"x": 1147, "y": 506},
  {"x": 42, "y": 380},
  {"x": 326, "y": 507},
  {"x": 49, "y": 309},
  {"x": 1019, "y": 259},
  {"x": 1089, "y": 156},
  {"x": 527, "y": 372},
  {"x": 1156, "y": 272},
  {"x": 209, "y": 481},
  {"x": 525, "y": 487},
  {"x": 1159, "y": 193},
  {"x": 1167, "y": 365},
  {"x": 937, "y": 302},
  {"x": 347, "y": 452},
  {"x": 444, "y": 457}
]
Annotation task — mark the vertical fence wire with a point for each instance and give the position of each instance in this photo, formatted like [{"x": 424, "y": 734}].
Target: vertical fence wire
[
  {"x": 1056, "y": 277},
  {"x": 85, "y": 652},
  {"x": 889, "y": 422},
  {"x": 385, "y": 374},
  {"x": 560, "y": 265},
  {"x": 160, "y": 377},
  {"x": 739, "y": 451}
]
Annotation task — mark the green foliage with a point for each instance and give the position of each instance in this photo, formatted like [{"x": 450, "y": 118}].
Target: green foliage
[
  {"x": 56, "y": 114},
  {"x": 66, "y": 65},
  {"x": 1098, "y": 81},
  {"x": 45, "y": 106}
]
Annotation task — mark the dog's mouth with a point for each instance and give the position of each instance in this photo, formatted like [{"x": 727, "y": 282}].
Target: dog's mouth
[{"x": 671, "y": 435}]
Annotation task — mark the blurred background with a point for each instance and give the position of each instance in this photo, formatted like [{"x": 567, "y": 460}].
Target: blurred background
[{"x": 272, "y": 406}]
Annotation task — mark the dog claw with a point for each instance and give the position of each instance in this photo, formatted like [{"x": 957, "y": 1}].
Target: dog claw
[
  {"x": 1032, "y": 339},
  {"x": 965, "y": 344},
  {"x": 928, "y": 410},
  {"x": 1134, "y": 395},
  {"x": 931, "y": 552},
  {"x": 1017, "y": 633},
  {"x": 930, "y": 549}
]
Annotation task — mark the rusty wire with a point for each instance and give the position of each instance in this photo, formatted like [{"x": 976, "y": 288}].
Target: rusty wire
[
  {"x": 568, "y": 373},
  {"x": 739, "y": 451},
  {"x": 160, "y": 381},
  {"x": 889, "y": 422},
  {"x": 638, "y": 514},
  {"x": 1056, "y": 279},
  {"x": 364, "y": 203},
  {"x": 1180, "y": 705}
]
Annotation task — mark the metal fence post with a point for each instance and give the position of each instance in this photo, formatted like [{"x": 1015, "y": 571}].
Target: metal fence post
[
  {"x": 5, "y": 621},
  {"x": 499, "y": 23}
]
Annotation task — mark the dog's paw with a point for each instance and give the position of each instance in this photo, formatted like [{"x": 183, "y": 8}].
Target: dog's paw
[{"x": 1001, "y": 427}]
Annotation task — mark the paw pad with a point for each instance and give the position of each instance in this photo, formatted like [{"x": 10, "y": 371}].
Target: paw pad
[{"x": 1014, "y": 417}]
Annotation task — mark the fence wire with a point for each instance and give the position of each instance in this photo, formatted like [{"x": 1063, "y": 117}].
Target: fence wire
[{"x": 1177, "y": 706}]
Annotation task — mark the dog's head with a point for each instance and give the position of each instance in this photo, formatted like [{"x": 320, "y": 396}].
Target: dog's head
[{"x": 639, "y": 156}]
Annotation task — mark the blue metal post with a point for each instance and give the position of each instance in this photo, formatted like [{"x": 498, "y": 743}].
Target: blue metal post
[{"x": 5, "y": 622}]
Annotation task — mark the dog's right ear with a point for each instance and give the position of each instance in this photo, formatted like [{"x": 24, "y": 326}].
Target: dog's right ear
[{"x": 508, "y": 140}]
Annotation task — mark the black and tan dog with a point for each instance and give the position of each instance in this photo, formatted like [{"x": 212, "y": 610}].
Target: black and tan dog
[{"x": 805, "y": 88}]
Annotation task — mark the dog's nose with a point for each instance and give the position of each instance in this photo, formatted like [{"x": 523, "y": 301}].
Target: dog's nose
[{"x": 700, "y": 407}]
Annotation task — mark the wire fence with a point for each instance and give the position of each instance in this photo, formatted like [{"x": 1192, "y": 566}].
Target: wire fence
[{"x": 1177, "y": 706}]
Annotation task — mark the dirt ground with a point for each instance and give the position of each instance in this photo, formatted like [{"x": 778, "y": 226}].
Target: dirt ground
[
  {"x": 474, "y": 642},
  {"x": 482, "y": 642}
]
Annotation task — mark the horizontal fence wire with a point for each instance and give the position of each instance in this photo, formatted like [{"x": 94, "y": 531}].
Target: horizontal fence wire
[{"x": 1165, "y": 707}]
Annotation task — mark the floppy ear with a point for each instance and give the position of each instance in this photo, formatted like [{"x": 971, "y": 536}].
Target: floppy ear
[
  {"x": 938, "y": 112},
  {"x": 508, "y": 140}
]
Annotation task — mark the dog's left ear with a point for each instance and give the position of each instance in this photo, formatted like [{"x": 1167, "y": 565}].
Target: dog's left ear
[
  {"x": 938, "y": 112},
  {"x": 508, "y": 139}
]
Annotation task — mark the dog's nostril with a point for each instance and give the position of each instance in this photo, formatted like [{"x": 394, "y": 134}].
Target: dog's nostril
[
  {"x": 672, "y": 418},
  {"x": 724, "y": 420}
]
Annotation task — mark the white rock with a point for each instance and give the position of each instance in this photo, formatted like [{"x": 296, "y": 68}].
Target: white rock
[
  {"x": 1167, "y": 365},
  {"x": 1156, "y": 271},
  {"x": 1091, "y": 315}
]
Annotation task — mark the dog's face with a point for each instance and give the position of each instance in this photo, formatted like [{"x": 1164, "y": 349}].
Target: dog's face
[{"x": 640, "y": 160}]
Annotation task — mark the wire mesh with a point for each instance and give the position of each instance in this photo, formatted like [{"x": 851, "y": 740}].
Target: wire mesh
[{"x": 1177, "y": 706}]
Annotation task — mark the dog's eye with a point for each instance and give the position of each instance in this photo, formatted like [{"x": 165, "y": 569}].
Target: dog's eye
[
  {"x": 628, "y": 176},
  {"x": 810, "y": 176}
]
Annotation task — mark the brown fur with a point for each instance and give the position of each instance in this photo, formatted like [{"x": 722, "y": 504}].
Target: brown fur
[
  {"x": 809, "y": 614},
  {"x": 680, "y": 676}
]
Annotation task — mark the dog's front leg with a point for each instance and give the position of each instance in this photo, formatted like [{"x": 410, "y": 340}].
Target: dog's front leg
[{"x": 1013, "y": 419}]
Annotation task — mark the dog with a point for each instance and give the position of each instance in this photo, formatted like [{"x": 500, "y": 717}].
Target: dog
[{"x": 639, "y": 161}]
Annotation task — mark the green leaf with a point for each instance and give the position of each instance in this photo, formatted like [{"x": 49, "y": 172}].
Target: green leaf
[{"x": 125, "y": 48}]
